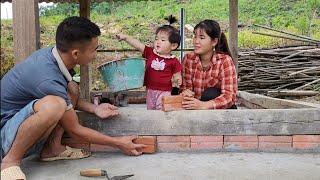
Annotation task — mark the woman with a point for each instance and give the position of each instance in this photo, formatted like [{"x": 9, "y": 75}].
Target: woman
[{"x": 209, "y": 74}]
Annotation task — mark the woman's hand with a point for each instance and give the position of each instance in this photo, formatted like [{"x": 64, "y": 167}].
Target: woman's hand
[
  {"x": 106, "y": 110},
  {"x": 193, "y": 103},
  {"x": 187, "y": 93},
  {"x": 126, "y": 145}
]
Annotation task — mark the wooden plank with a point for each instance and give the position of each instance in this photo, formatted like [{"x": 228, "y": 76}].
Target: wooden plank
[
  {"x": 299, "y": 93},
  {"x": 139, "y": 121},
  {"x": 274, "y": 103},
  {"x": 233, "y": 31},
  {"x": 84, "y": 70},
  {"x": 26, "y": 29}
]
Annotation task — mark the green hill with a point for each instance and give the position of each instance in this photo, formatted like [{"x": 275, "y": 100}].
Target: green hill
[{"x": 141, "y": 18}]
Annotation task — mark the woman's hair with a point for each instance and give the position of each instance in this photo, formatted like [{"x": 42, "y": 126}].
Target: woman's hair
[
  {"x": 75, "y": 30},
  {"x": 212, "y": 28},
  {"x": 174, "y": 34}
]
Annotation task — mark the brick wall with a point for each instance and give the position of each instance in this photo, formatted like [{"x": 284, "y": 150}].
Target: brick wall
[{"x": 294, "y": 143}]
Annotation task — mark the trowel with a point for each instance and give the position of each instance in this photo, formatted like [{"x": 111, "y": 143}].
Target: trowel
[{"x": 100, "y": 172}]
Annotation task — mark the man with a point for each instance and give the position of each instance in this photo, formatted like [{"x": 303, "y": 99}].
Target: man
[{"x": 38, "y": 98}]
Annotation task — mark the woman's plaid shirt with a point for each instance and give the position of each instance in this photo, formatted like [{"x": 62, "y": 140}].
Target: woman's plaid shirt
[{"x": 220, "y": 74}]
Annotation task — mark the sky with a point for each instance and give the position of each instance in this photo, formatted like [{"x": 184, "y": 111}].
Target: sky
[{"x": 6, "y": 9}]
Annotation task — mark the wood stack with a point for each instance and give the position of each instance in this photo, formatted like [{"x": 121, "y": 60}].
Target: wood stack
[{"x": 281, "y": 69}]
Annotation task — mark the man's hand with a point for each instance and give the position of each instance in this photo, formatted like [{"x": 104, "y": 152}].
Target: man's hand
[
  {"x": 193, "y": 103},
  {"x": 126, "y": 145},
  {"x": 106, "y": 110},
  {"x": 187, "y": 93}
]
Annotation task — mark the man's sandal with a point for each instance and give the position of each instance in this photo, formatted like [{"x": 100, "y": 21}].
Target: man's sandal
[
  {"x": 11, "y": 173},
  {"x": 69, "y": 153}
]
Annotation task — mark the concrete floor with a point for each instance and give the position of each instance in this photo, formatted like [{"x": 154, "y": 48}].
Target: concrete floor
[{"x": 185, "y": 166}]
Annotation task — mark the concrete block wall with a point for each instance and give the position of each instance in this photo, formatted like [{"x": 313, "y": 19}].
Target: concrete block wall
[{"x": 292, "y": 143}]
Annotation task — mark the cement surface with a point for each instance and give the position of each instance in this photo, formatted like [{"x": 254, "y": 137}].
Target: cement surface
[
  {"x": 139, "y": 121},
  {"x": 184, "y": 166}
]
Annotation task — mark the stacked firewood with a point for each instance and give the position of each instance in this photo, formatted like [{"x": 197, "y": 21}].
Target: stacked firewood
[{"x": 274, "y": 71}]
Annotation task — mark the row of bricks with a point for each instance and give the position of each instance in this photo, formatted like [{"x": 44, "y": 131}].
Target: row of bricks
[{"x": 185, "y": 143}]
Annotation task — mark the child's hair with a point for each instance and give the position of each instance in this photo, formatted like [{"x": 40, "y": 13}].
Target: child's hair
[
  {"x": 212, "y": 28},
  {"x": 174, "y": 34}
]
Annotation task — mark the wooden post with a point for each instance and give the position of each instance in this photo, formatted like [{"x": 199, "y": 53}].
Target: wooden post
[
  {"x": 84, "y": 70},
  {"x": 233, "y": 32},
  {"x": 26, "y": 29}
]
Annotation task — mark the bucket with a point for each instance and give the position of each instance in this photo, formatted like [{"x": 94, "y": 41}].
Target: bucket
[{"x": 124, "y": 74}]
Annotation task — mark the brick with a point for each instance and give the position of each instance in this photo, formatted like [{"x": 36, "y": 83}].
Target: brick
[
  {"x": 172, "y": 103},
  {"x": 306, "y": 138},
  {"x": 275, "y": 142},
  {"x": 194, "y": 139},
  {"x": 206, "y": 145},
  {"x": 273, "y": 145},
  {"x": 150, "y": 141},
  {"x": 306, "y": 142},
  {"x": 102, "y": 148},
  {"x": 306, "y": 145},
  {"x": 172, "y": 99},
  {"x": 167, "y": 139},
  {"x": 171, "y": 107},
  {"x": 170, "y": 146},
  {"x": 240, "y": 142},
  {"x": 241, "y": 138},
  {"x": 150, "y": 149},
  {"x": 275, "y": 139},
  {"x": 240, "y": 145}
]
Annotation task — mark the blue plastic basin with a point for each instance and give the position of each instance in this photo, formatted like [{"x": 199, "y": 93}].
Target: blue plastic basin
[{"x": 124, "y": 74}]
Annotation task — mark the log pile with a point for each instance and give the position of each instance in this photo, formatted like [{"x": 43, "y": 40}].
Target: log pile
[{"x": 281, "y": 69}]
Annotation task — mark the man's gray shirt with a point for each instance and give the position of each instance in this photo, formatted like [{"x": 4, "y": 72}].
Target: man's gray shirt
[{"x": 34, "y": 78}]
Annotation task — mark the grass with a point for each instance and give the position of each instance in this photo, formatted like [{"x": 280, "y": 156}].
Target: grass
[{"x": 141, "y": 18}]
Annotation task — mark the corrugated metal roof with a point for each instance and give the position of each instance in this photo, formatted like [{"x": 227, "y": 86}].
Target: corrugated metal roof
[{"x": 56, "y": 1}]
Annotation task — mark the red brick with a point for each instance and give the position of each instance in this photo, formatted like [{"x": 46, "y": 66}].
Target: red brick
[
  {"x": 240, "y": 138},
  {"x": 172, "y": 99},
  {"x": 194, "y": 139},
  {"x": 102, "y": 148},
  {"x": 167, "y": 139},
  {"x": 178, "y": 146},
  {"x": 275, "y": 139},
  {"x": 206, "y": 145},
  {"x": 241, "y": 145},
  {"x": 150, "y": 149},
  {"x": 306, "y": 138},
  {"x": 150, "y": 141},
  {"x": 172, "y": 103},
  {"x": 275, "y": 142},
  {"x": 240, "y": 142},
  {"x": 306, "y": 145},
  {"x": 171, "y": 107},
  {"x": 273, "y": 145},
  {"x": 306, "y": 141}
]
